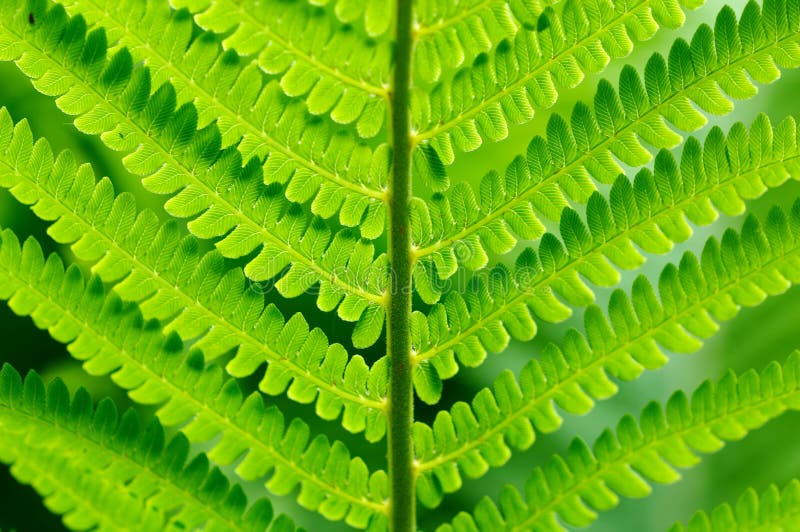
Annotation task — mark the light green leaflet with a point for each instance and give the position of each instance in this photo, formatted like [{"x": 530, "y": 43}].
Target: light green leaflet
[{"x": 308, "y": 267}]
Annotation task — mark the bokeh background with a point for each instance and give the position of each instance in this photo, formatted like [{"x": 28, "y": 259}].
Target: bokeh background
[{"x": 756, "y": 336}]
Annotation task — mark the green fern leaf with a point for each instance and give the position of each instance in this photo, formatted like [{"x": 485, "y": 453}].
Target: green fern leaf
[
  {"x": 224, "y": 199},
  {"x": 306, "y": 146},
  {"x": 575, "y": 487},
  {"x": 130, "y": 248},
  {"x": 694, "y": 296},
  {"x": 110, "y": 337},
  {"x": 46, "y": 433},
  {"x": 464, "y": 229},
  {"x": 452, "y": 34},
  {"x": 304, "y": 153},
  {"x": 338, "y": 71},
  {"x": 774, "y": 509},
  {"x": 648, "y": 215},
  {"x": 525, "y": 72},
  {"x": 377, "y": 15}
]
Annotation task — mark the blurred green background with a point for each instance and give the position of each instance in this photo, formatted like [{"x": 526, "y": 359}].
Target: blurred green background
[{"x": 756, "y": 336}]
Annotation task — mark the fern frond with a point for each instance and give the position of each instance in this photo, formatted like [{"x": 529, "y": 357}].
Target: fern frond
[
  {"x": 112, "y": 98},
  {"x": 575, "y": 487},
  {"x": 773, "y": 510},
  {"x": 338, "y": 71},
  {"x": 97, "y": 469},
  {"x": 716, "y": 67},
  {"x": 198, "y": 296},
  {"x": 648, "y": 215},
  {"x": 110, "y": 337},
  {"x": 526, "y": 72},
  {"x": 451, "y": 34},
  {"x": 303, "y": 153},
  {"x": 741, "y": 271},
  {"x": 378, "y": 15}
]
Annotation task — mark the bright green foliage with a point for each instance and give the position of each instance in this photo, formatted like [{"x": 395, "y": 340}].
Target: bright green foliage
[
  {"x": 526, "y": 70},
  {"x": 163, "y": 271},
  {"x": 773, "y": 510},
  {"x": 649, "y": 216},
  {"x": 245, "y": 105},
  {"x": 589, "y": 480},
  {"x": 462, "y": 227},
  {"x": 111, "y": 337},
  {"x": 222, "y": 197},
  {"x": 275, "y": 134},
  {"x": 40, "y": 428},
  {"x": 377, "y": 14},
  {"x": 693, "y": 297},
  {"x": 337, "y": 70},
  {"x": 453, "y": 34}
]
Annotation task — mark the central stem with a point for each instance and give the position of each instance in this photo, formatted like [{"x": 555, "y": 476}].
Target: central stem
[{"x": 398, "y": 329}]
